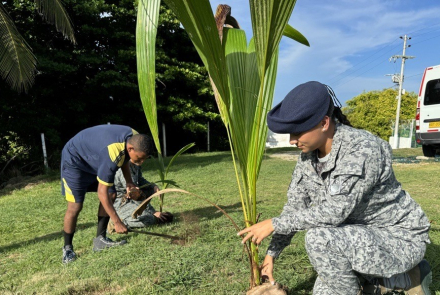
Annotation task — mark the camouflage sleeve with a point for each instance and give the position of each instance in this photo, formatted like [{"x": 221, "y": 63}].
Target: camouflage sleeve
[
  {"x": 150, "y": 209},
  {"x": 278, "y": 243},
  {"x": 142, "y": 182},
  {"x": 356, "y": 173},
  {"x": 297, "y": 200},
  {"x": 120, "y": 183}
]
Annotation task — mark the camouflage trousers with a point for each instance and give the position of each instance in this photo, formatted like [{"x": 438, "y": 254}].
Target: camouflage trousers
[
  {"x": 125, "y": 210},
  {"x": 345, "y": 256}
]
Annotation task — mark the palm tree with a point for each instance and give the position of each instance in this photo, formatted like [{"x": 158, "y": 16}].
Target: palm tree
[
  {"x": 17, "y": 62},
  {"x": 242, "y": 76}
]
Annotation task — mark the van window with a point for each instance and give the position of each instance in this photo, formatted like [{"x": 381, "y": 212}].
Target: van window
[{"x": 432, "y": 92}]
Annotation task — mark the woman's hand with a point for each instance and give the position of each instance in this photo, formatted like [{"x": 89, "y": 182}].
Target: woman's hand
[
  {"x": 267, "y": 269},
  {"x": 257, "y": 231}
]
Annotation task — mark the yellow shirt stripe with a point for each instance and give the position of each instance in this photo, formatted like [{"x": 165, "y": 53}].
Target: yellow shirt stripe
[
  {"x": 116, "y": 152},
  {"x": 103, "y": 182}
]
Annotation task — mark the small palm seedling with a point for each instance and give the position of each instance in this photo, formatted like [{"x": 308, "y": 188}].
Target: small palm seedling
[{"x": 242, "y": 76}]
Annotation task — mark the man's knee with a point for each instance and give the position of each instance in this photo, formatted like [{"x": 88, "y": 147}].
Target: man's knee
[{"x": 74, "y": 208}]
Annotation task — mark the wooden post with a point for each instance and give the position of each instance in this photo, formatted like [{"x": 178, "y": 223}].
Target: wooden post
[
  {"x": 209, "y": 145},
  {"x": 46, "y": 165},
  {"x": 164, "y": 139}
]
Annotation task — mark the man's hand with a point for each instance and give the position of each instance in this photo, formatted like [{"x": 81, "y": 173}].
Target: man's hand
[
  {"x": 120, "y": 227},
  {"x": 130, "y": 185},
  {"x": 257, "y": 231},
  {"x": 267, "y": 269}
]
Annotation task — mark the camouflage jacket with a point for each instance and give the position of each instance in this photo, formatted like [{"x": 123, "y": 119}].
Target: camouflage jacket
[
  {"x": 138, "y": 180},
  {"x": 357, "y": 186},
  {"x": 125, "y": 209}
]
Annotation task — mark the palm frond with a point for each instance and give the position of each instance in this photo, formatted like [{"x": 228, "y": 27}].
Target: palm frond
[
  {"x": 146, "y": 31},
  {"x": 269, "y": 18},
  {"x": 53, "y": 12},
  {"x": 243, "y": 80},
  {"x": 17, "y": 62},
  {"x": 294, "y": 34},
  {"x": 198, "y": 20}
]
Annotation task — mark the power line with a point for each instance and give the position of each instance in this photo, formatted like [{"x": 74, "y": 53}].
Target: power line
[
  {"x": 339, "y": 84},
  {"x": 419, "y": 74},
  {"x": 418, "y": 35},
  {"x": 364, "y": 60},
  {"x": 348, "y": 72},
  {"x": 427, "y": 39},
  {"x": 412, "y": 33}
]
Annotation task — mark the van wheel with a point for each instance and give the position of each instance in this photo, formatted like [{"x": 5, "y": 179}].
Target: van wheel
[{"x": 428, "y": 151}]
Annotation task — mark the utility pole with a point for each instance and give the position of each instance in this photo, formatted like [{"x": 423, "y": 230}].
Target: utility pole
[{"x": 400, "y": 80}]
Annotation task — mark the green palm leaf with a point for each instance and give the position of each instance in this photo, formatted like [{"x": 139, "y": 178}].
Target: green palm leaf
[
  {"x": 196, "y": 16},
  {"x": 181, "y": 151},
  {"x": 269, "y": 18},
  {"x": 146, "y": 31},
  {"x": 54, "y": 13},
  {"x": 243, "y": 80},
  {"x": 294, "y": 34},
  {"x": 17, "y": 62}
]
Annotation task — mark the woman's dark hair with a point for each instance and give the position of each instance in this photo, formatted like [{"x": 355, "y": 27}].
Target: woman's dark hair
[
  {"x": 334, "y": 110},
  {"x": 337, "y": 113}
]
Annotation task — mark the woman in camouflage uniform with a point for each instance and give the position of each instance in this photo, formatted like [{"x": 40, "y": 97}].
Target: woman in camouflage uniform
[{"x": 361, "y": 225}]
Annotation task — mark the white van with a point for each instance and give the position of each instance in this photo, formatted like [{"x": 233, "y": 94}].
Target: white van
[{"x": 428, "y": 112}]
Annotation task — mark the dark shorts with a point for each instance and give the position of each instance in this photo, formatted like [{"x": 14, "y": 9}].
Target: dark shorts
[{"x": 75, "y": 183}]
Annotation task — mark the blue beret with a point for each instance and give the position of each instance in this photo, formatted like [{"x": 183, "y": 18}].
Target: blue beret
[{"x": 301, "y": 110}]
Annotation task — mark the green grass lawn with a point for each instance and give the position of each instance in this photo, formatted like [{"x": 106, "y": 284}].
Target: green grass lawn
[{"x": 211, "y": 261}]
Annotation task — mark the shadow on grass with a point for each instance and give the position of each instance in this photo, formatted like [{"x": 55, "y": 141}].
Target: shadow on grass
[
  {"x": 44, "y": 238},
  {"x": 211, "y": 212},
  {"x": 27, "y": 182},
  {"x": 291, "y": 149},
  {"x": 193, "y": 160},
  {"x": 433, "y": 258},
  {"x": 305, "y": 287}
]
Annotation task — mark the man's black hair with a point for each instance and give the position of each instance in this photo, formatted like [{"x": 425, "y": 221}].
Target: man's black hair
[{"x": 141, "y": 143}]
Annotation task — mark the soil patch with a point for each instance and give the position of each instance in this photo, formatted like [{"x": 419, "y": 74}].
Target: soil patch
[{"x": 191, "y": 229}]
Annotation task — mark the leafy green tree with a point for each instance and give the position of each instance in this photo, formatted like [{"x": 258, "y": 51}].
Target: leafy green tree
[
  {"x": 375, "y": 111},
  {"x": 184, "y": 95},
  {"x": 95, "y": 81},
  {"x": 17, "y": 62}
]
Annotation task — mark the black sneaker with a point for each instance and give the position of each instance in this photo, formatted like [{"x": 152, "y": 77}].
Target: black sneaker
[
  {"x": 101, "y": 243},
  {"x": 68, "y": 254}
]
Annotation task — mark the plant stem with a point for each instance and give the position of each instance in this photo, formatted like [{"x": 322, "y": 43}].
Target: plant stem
[{"x": 256, "y": 280}]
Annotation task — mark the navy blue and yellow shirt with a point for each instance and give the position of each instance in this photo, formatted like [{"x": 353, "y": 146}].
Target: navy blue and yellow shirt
[{"x": 100, "y": 150}]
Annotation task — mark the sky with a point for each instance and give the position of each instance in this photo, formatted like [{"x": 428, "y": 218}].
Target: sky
[{"x": 351, "y": 42}]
